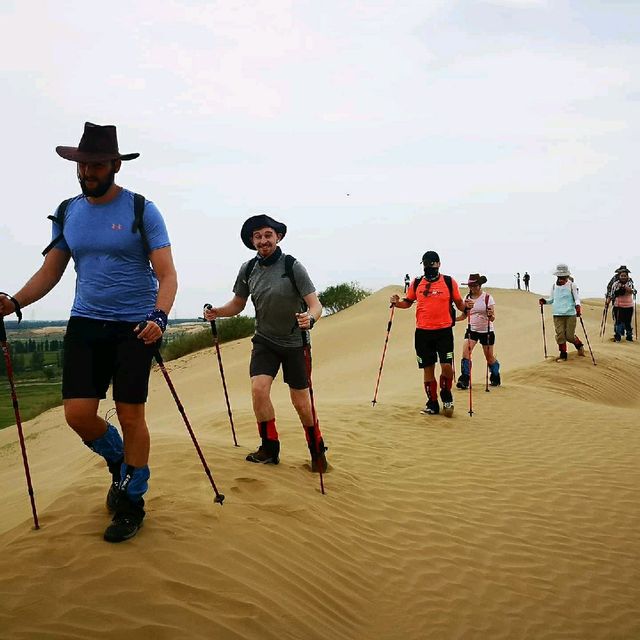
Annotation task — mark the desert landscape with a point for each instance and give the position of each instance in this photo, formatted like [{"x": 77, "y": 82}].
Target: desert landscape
[{"x": 519, "y": 522}]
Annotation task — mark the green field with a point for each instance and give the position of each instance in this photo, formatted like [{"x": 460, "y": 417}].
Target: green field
[{"x": 33, "y": 399}]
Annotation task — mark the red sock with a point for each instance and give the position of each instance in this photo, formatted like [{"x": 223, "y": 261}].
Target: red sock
[
  {"x": 563, "y": 347},
  {"x": 431, "y": 387},
  {"x": 308, "y": 431},
  {"x": 267, "y": 429}
]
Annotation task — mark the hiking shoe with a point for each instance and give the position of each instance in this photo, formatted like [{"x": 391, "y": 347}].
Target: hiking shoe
[
  {"x": 112, "y": 497},
  {"x": 581, "y": 351},
  {"x": 127, "y": 520},
  {"x": 432, "y": 408},
  {"x": 447, "y": 408},
  {"x": 617, "y": 338},
  {"x": 319, "y": 462},
  {"x": 494, "y": 380},
  {"x": 265, "y": 455},
  {"x": 562, "y": 357},
  {"x": 463, "y": 382},
  {"x": 629, "y": 338}
]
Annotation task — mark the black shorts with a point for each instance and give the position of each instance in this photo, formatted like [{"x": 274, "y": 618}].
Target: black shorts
[
  {"x": 97, "y": 353},
  {"x": 484, "y": 338},
  {"x": 434, "y": 345},
  {"x": 266, "y": 358}
]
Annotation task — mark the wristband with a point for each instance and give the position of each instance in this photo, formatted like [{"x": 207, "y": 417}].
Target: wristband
[
  {"x": 159, "y": 317},
  {"x": 17, "y": 308}
]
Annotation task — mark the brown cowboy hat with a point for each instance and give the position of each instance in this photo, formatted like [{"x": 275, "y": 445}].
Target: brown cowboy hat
[
  {"x": 99, "y": 143},
  {"x": 622, "y": 267},
  {"x": 260, "y": 222},
  {"x": 475, "y": 278}
]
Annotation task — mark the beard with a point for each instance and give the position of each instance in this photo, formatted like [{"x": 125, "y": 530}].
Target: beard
[{"x": 101, "y": 187}]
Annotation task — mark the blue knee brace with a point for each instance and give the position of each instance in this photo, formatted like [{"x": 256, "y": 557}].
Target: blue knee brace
[
  {"x": 109, "y": 446},
  {"x": 133, "y": 481},
  {"x": 495, "y": 368}
]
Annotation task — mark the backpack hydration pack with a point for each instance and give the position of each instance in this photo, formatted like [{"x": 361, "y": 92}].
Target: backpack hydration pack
[
  {"x": 138, "y": 214},
  {"x": 447, "y": 279}
]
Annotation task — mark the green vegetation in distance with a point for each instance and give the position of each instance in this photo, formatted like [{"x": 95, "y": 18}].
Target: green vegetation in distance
[{"x": 340, "y": 296}]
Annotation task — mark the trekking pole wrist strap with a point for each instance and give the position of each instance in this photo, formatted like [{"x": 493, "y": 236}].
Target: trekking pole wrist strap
[
  {"x": 17, "y": 308},
  {"x": 159, "y": 317}
]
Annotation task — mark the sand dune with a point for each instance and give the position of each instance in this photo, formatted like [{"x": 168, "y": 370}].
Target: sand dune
[{"x": 519, "y": 522}]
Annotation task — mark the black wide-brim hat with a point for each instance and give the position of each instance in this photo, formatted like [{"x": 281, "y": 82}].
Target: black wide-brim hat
[
  {"x": 260, "y": 222},
  {"x": 99, "y": 143}
]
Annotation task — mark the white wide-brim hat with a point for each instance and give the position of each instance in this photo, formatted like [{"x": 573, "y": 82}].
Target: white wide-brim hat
[{"x": 562, "y": 270}]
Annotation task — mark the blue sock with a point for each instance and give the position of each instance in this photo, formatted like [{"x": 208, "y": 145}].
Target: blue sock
[
  {"x": 465, "y": 366},
  {"x": 133, "y": 481},
  {"x": 109, "y": 446}
]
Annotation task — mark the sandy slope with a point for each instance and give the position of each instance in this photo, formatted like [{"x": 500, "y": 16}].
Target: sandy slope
[{"x": 520, "y": 522}]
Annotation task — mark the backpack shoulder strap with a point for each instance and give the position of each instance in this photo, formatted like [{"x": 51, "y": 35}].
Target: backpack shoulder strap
[
  {"x": 416, "y": 283},
  {"x": 249, "y": 268},
  {"x": 139, "y": 203},
  {"x": 452, "y": 310},
  {"x": 58, "y": 218}
]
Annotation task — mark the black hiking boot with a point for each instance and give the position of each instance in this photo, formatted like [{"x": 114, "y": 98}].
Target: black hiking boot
[
  {"x": 127, "y": 520},
  {"x": 318, "y": 460},
  {"x": 463, "y": 381},
  {"x": 112, "y": 495},
  {"x": 494, "y": 379},
  {"x": 562, "y": 357},
  {"x": 432, "y": 408},
  {"x": 268, "y": 453}
]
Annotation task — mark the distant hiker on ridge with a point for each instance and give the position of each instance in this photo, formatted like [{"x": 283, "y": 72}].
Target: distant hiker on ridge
[
  {"x": 481, "y": 318},
  {"x": 566, "y": 308},
  {"x": 407, "y": 282},
  {"x": 125, "y": 275},
  {"x": 525, "y": 278},
  {"x": 435, "y": 316},
  {"x": 279, "y": 287}
]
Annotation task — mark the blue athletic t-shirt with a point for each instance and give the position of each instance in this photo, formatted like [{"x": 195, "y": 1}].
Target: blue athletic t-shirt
[{"x": 114, "y": 278}]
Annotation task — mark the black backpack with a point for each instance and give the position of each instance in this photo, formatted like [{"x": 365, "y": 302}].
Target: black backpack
[
  {"x": 289, "y": 261},
  {"x": 138, "y": 214},
  {"x": 447, "y": 279}
]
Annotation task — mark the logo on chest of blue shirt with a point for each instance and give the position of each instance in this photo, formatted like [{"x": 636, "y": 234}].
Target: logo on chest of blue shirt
[{"x": 116, "y": 227}]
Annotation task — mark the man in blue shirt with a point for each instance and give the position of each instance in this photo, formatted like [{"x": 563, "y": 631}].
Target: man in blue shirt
[{"x": 121, "y": 281}]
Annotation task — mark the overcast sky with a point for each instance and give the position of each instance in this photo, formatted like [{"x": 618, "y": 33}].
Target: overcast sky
[{"x": 503, "y": 134}]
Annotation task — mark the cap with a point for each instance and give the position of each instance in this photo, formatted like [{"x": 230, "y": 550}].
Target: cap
[{"x": 429, "y": 257}]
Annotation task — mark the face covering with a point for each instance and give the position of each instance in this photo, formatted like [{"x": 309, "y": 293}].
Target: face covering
[{"x": 431, "y": 273}]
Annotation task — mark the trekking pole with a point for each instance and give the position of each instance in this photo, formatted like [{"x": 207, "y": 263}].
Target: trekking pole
[
  {"x": 219, "y": 496},
  {"x": 486, "y": 380},
  {"x": 384, "y": 351},
  {"x": 635, "y": 315},
  {"x": 306, "y": 347},
  {"x": 14, "y": 399},
  {"x": 587, "y": 339},
  {"x": 544, "y": 335},
  {"x": 216, "y": 342},
  {"x": 603, "y": 322},
  {"x": 470, "y": 361}
]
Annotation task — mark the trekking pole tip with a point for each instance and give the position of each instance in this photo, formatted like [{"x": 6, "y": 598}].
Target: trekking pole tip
[{"x": 219, "y": 499}]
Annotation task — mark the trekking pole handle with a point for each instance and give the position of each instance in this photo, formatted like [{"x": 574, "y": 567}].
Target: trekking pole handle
[
  {"x": 214, "y": 329},
  {"x": 3, "y": 331}
]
